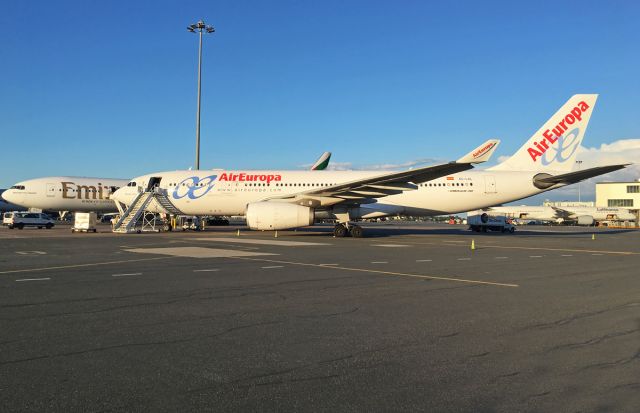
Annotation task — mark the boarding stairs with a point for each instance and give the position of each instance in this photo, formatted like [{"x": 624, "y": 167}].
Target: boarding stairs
[
  {"x": 136, "y": 218},
  {"x": 162, "y": 199}
]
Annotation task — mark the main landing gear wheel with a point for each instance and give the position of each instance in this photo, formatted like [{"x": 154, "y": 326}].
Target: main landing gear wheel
[
  {"x": 339, "y": 231},
  {"x": 356, "y": 231}
]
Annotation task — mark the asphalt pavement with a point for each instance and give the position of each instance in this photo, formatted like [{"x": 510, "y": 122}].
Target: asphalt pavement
[{"x": 410, "y": 318}]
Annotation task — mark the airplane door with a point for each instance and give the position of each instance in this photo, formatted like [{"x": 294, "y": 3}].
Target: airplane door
[
  {"x": 51, "y": 190},
  {"x": 153, "y": 182},
  {"x": 490, "y": 184}
]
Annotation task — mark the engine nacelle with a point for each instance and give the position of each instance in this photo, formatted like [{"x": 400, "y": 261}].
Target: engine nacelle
[
  {"x": 278, "y": 215},
  {"x": 585, "y": 220}
]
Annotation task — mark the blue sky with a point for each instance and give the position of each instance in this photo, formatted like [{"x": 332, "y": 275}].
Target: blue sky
[{"x": 109, "y": 88}]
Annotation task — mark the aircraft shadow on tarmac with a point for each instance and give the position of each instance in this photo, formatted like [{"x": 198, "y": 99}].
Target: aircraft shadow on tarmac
[{"x": 391, "y": 231}]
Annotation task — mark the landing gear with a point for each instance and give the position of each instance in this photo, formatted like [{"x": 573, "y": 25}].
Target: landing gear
[
  {"x": 356, "y": 231},
  {"x": 341, "y": 230}
]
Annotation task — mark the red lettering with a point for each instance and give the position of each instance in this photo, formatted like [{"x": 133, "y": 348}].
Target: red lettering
[
  {"x": 576, "y": 113},
  {"x": 547, "y": 134},
  {"x": 533, "y": 153}
]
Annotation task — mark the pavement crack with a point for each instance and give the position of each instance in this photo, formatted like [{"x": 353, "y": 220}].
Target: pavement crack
[
  {"x": 479, "y": 355},
  {"x": 536, "y": 395},
  {"x": 142, "y": 344},
  {"x": 593, "y": 341},
  {"x": 579, "y": 316},
  {"x": 619, "y": 362},
  {"x": 353, "y": 310}
]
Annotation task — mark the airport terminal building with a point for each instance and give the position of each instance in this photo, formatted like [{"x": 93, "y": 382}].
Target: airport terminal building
[{"x": 619, "y": 194}]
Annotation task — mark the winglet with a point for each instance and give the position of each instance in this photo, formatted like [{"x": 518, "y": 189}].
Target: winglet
[
  {"x": 482, "y": 153},
  {"x": 322, "y": 162}
]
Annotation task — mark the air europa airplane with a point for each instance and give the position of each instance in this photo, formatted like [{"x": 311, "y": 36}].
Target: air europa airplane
[
  {"x": 289, "y": 199},
  {"x": 79, "y": 194}
]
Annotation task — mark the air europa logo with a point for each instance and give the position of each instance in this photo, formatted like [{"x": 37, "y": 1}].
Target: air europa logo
[
  {"x": 483, "y": 150},
  {"x": 194, "y": 187},
  {"x": 245, "y": 177},
  {"x": 550, "y": 137}
]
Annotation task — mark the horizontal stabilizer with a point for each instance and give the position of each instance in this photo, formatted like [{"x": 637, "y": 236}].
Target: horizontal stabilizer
[
  {"x": 544, "y": 181},
  {"x": 482, "y": 153}
]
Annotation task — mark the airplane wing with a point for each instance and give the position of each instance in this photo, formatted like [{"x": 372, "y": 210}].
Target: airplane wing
[
  {"x": 561, "y": 213},
  {"x": 544, "y": 181},
  {"x": 363, "y": 191}
]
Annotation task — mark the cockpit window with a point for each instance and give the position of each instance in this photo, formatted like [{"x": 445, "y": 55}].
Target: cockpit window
[
  {"x": 132, "y": 184},
  {"x": 18, "y": 187}
]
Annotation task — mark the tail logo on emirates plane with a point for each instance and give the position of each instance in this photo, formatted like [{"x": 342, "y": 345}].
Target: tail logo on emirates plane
[{"x": 566, "y": 143}]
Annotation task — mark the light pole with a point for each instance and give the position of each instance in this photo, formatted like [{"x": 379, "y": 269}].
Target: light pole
[
  {"x": 199, "y": 28},
  {"x": 579, "y": 163}
]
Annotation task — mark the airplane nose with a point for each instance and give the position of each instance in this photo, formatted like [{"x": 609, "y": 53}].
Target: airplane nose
[
  {"x": 124, "y": 195},
  {"x": 118, "y": 195},
  {"x": 9, "y": 196}
]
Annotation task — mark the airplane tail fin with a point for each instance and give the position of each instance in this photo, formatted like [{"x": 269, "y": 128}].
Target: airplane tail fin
[
  {"x": 482, "y": 153},
  {"x": 555, "y": 145},
  {"x": 322, "y": 162}
]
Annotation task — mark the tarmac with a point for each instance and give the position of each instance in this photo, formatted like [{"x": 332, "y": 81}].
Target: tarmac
[{"x": 410, "y": 318}]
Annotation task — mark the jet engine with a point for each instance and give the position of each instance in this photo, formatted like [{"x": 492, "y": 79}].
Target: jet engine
[
  {"x": 278, "y": 215},
  {"x": 585, "y": 220}
]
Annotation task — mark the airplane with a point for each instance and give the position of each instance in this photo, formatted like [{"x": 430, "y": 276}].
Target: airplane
[
  {"x": 65, "y": 193},
  {"x": 582, "y": 215},
  {"x": 273, "y": 200}
]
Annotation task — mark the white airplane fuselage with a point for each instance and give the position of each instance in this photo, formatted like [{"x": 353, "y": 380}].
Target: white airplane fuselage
[
  {"x": 570, "y": 213},
  {"x": 66, "y": 193},
  {"x": 221, "y": 192}
]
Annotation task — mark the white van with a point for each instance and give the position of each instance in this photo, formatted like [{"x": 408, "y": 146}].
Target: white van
[{"x": 27, "y": 219}]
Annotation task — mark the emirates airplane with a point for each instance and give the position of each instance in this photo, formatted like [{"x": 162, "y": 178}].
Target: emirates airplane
[
  {"x": 65, "y": 193},
  {"x": 273, "y": 200}
]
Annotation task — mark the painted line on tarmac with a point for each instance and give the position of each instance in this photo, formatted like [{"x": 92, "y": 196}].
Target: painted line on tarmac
[
  {"x": 92, "y": 264},
  {"x": 527, "y": 248},
  {"x": 207, "y": 270},
  {"x": 272, "y": 266},
  {"x": 379, "y": 262},
  {"x": 33, "y": 279},
  {"x": 387, "y": 273},
  {"x": 424, "y": 260},
  {"x": 535, "y": 256},
  {"x": 502, "y": 258},
  {"x": 126, "y": 274},
  {"x": 464, "y": 259}
]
